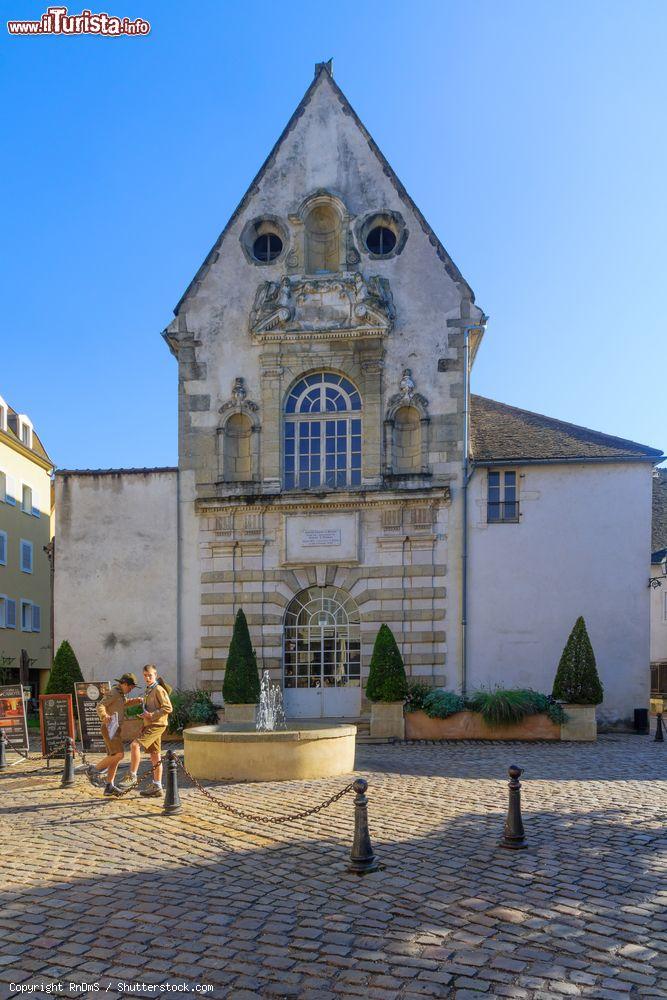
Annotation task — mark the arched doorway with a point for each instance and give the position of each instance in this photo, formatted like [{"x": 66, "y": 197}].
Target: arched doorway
[{"x": 322, "y": 655}]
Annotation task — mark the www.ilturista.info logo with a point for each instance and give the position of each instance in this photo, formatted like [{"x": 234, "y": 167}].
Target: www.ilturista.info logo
[{"x": 56, "y": 21}]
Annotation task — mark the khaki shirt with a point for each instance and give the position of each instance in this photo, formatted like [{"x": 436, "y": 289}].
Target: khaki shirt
[
  {"x": 113, "y": 702},
  {"x": 158, "y": 704}
]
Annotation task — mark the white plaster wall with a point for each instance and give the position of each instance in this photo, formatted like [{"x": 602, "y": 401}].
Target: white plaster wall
[
  {"x": 658, "y": 617},
  {"x": 581, "y": 548},
  {"x": 115, "y": 571}
]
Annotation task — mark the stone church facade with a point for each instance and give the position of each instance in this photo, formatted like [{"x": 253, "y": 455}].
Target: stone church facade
[
  {"x": 321, "y": 354},
  {"x": 320, "y": 422}
]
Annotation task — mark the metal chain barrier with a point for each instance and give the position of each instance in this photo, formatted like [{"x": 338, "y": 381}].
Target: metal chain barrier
[
  {"x": 25, "y": 754},
  {"x": 256, "y": 817},
  {"x": 143, "y": 779}
]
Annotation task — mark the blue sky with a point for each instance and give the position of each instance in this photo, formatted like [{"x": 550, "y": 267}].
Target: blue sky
[{"x": 532, "y": 136}]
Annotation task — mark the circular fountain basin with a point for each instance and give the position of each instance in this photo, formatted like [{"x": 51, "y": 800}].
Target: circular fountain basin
[{"x": 240, "y": 753}]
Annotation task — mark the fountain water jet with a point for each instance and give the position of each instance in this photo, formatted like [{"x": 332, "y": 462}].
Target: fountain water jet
[{"x": 270, "y": 711}]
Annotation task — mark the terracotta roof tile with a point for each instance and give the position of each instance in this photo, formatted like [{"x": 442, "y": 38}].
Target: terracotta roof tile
[{"x": 500, "y": 432}]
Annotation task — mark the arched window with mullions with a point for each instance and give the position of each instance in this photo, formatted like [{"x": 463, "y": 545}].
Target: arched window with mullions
[{"x": 322, "y": 433}]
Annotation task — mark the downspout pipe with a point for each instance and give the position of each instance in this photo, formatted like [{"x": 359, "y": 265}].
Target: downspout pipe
[{"x": 466, "y": 473}]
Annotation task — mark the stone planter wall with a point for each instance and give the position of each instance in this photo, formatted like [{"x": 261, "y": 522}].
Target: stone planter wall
[
  {"x": 387, "y": 720},
  {"x": 240, "y": 713},
  {"x": 471, "y": 726},
  {"x": 581, "y": 723}
]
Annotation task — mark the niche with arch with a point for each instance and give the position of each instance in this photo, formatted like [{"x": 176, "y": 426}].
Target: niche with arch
[
  {"x": 323, "y": 237},
  {"x": 238, "y": 443},
  {"x": 406, "y": 433}
]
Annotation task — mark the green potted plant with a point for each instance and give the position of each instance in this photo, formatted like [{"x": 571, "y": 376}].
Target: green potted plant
[
  {"x": 387, "y": 686},
  {"x": 240, "y": 688},
  {"x": 578, "y": 685}
]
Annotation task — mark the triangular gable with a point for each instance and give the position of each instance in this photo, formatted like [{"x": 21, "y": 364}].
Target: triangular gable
[{"x": 324, "y": 76}]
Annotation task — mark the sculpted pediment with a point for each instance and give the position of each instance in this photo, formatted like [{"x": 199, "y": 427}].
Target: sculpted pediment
[{"x": 324, "y": 306}]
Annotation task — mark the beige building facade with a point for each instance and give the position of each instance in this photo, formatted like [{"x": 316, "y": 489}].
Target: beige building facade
[{"x": 25, "y": 551}]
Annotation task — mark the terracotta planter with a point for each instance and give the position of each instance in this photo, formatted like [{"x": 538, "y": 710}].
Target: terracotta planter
[
  {"x": 387, "y": 720},
  {"x": 239, "y": 714},
  {"x": 581, "y": 723},
  {"x": 471, "y": 726}
]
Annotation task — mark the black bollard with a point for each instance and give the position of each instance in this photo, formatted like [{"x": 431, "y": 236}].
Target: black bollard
[
  {"x": 68, "y": 769},
  {"x": 3, "y": 751},
  {"x": 362, "y": 858},
  {"x": 659, "y": 735},
  {"x": 514, "y": 838},
  {"x": 172, "y": 798}
]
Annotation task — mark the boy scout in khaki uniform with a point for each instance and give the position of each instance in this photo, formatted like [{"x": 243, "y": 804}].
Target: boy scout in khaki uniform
[
  {"x": 113, "y": 703},
  {"x": 157, "y": 708}
]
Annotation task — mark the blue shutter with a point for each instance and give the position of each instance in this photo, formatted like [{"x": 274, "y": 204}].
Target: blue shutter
[
  {"x": 36, "y": 618},
  {"x": 10, "y": 616}
]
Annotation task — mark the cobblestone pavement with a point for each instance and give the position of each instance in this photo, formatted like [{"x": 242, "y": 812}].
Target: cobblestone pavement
[{"x": 110, "y": 892}]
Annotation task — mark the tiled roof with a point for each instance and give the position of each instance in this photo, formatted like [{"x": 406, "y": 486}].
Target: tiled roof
[
  {"x": 116, "y": 472},
  {"x": 659, "y": 522},
  {"x": 499, "y": 432}
]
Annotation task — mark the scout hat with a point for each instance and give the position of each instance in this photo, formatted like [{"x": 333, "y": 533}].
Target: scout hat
[{"x": 127, "y": 679}]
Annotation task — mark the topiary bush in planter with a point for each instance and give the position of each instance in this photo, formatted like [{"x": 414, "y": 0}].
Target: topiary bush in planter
[
  {"x": 65, "y": 672},
  {"x": 241, "y": 684},
  {"x": 191, "y": 708},
  {"x": 577, "y": 681},
  {"x": 386, "y": 676}
]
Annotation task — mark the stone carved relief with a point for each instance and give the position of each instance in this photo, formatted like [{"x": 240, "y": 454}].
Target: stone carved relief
[{"x": 322, "y": 305}]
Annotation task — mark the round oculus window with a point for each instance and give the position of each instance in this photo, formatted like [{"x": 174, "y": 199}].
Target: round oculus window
[
  {"x": 267, "y": 247},
  {"x": 381, "y": 240}
]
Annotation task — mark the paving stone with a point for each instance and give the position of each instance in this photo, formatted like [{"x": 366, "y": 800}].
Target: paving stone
[{"x": 267, "y": 911}]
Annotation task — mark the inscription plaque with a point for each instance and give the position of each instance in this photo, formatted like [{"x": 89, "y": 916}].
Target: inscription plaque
[{"x": 320, "y": 536}]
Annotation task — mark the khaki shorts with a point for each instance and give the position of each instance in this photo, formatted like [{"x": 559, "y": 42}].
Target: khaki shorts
[
  {"x": 114, "y": 745},
  {"x": 150, "y": 738}
]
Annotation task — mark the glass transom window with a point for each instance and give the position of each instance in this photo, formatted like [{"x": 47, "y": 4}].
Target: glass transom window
[{"x": 323, "y": 433}]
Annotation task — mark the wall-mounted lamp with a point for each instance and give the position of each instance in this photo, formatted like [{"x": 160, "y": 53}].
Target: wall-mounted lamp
[{"x": 656, "y": 581}]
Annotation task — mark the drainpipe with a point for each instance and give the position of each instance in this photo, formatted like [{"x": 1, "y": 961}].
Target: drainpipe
[{"x": 466, "y": 473}]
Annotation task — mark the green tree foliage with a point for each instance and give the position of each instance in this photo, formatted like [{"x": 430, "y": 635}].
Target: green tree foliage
[
  {"x": 241, "y": 683},
  {"x": 65, "y": 672},
  {"x": 386, "y": 678},
  {"x": 577, "y": 680}
]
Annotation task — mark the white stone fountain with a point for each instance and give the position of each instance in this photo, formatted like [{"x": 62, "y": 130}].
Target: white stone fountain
[{"x": 271, "y": 751}]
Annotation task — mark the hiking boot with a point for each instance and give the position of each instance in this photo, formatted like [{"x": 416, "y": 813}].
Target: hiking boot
[
  {"x": 152, "y": 792},
  {"x": 111, "y": 791},
  {"x": 129, "y": 781},
  {"x": 94, "y": 776}
]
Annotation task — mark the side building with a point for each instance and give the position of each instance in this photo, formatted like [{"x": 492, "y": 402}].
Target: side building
[
  {"x": 25, "y": 552},
  {"x": 658, "y": 586}
]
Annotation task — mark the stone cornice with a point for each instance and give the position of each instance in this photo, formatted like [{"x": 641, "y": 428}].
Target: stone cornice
[{"x": 346, "y": 502}]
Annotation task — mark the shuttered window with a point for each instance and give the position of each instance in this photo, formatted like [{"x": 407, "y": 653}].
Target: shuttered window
[
  {"x": 26, "y": 556},
  {"x": 10, "y": 490},
  {"x": 36, "y": 618},
  {"x": 3, "y": 548},
  {"x": 10, "y": 613},
  {"x": 26, "y": 499}
]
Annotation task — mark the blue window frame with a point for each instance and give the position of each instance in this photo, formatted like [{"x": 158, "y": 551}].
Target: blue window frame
[{"x": 322, "y": 433}]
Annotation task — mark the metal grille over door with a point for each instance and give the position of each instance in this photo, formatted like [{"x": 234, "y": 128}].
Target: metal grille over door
[{"x": 322, "y": 654}]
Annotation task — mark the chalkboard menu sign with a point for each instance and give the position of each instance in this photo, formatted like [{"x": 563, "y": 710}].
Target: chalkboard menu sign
[
  {"x": 12, "y": 715},
  {"x": 88, "y": 696},
  {"x": 56, "y": 721}
]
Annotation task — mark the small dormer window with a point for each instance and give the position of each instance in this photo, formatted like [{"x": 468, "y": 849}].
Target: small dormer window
[{"x": 25, "y": 432}]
